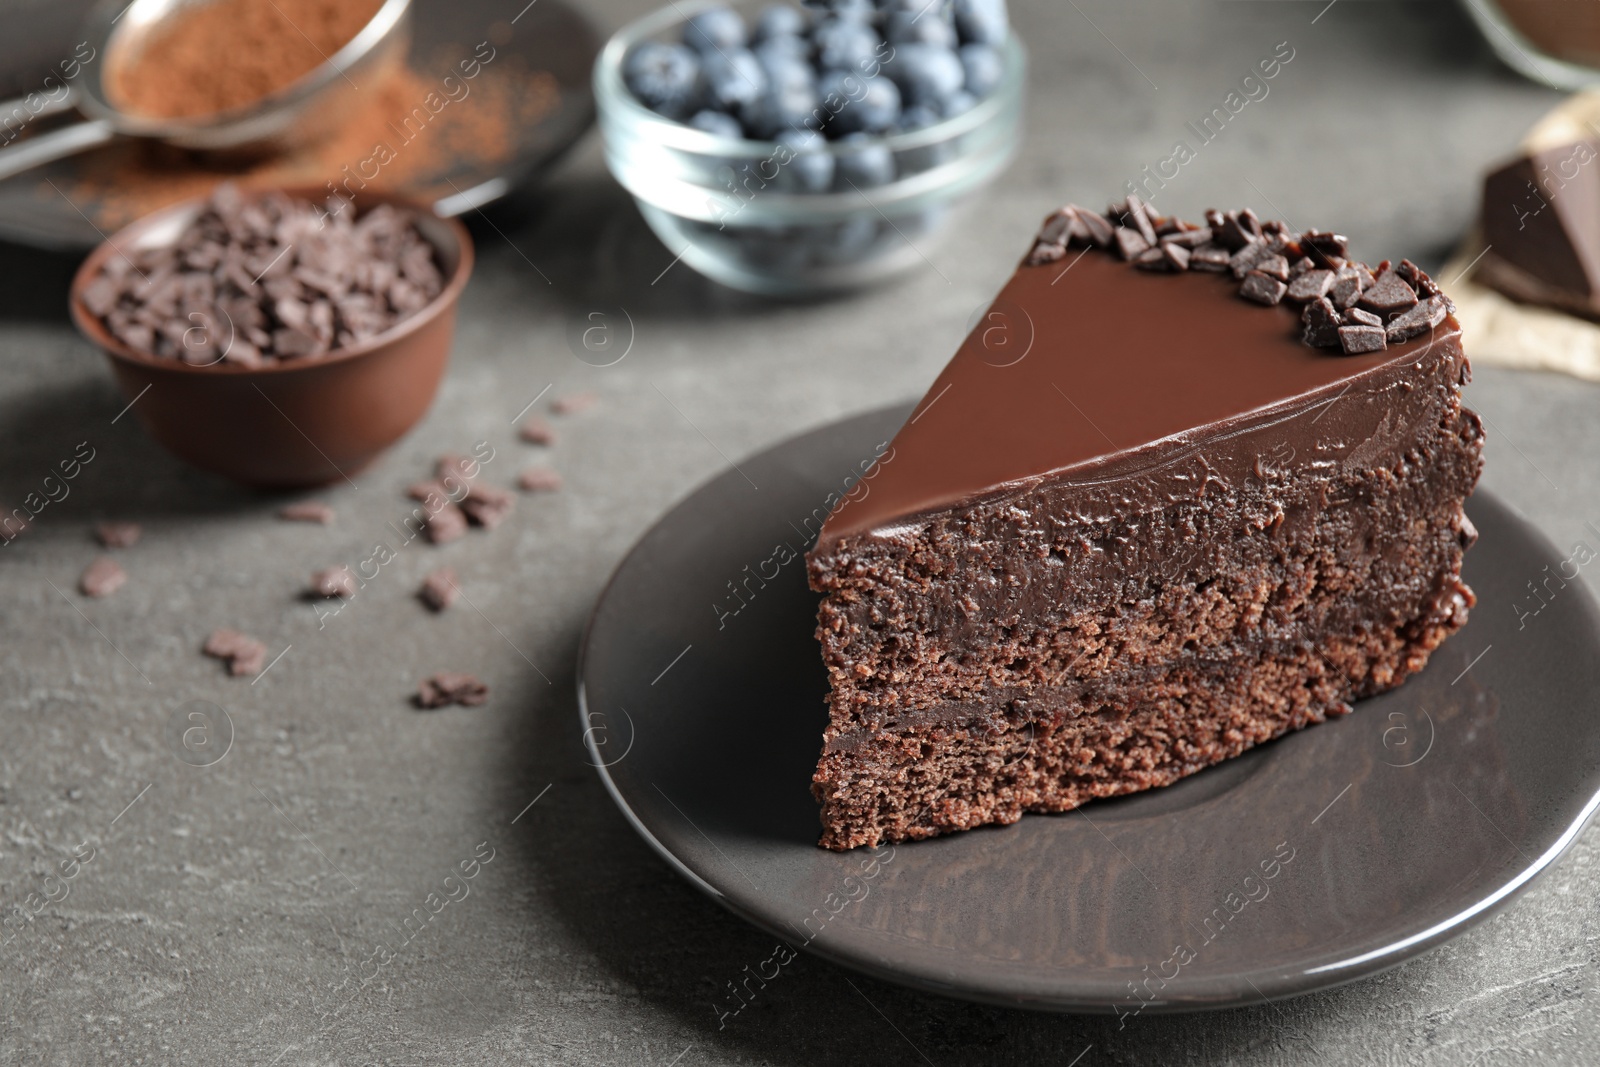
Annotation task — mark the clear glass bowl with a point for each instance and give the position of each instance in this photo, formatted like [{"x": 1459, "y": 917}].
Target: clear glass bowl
[{"x": 716, "y": 201}]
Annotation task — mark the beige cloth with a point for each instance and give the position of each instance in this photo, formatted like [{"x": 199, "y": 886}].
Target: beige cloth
[{"x": 1496, "y": 330}]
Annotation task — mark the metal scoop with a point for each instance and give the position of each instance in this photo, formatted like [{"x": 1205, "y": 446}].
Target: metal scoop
[{"x": 300, "y": 112}]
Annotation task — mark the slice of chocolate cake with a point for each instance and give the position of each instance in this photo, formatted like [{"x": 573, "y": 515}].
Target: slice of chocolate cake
[{"x": 1144, "y": 520}]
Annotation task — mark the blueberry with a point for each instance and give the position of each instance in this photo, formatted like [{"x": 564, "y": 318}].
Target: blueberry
[
  {"x": 981, "y": 21},
  {"x": 733, "y": 78},
  {"x": 810, "y": 168},
  {"x": 984, "y": 66},
  {"x": 860, "y": 104},
  {"x": 845, "y": 44},
  {"x": 907, "y": 27},
  {"x": 918, "y": 7},
  {"x": 926, "y": 74},
  {"x": 919, "y": 117},
  {"x": 849, "y": 241},
  {"x": 723, "y": 125},
  {"x": 860, "y": 10},
  {"x": 779, "y": 20},
  {"x": 665, "y": 77},
  {"x": 786, "y": 61},
  {"x": 783, "y": 107},
  {"x": 716, "y": 28},
  {"x": 863, "y": 161},
  {"x": 956, "y": 103}
]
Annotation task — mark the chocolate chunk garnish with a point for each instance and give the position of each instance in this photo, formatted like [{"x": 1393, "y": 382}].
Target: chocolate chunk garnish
[
  {"x": 102, "y": 577},
  {"x": 539, "y": 480},
  {"x": 1359, "y": 339},
  {"x": 439, "y": 589},
  {"x": 1358, "y": 317},
  {"x": 1303, "y": 265},
  {"x": 1389, "y": 295},
  {"x": 1045, "y": 252},
  {"x": 1417, "y": 278},
  {"x": 1057, "y": 228},
  {"x": 1100, "y": 230},
  {"x": 1311, "y": 284},
  {"x": 1244, "y": 261},
  {"x": 1239, "y": 228},
  {"x": 1190, "y": 239},
  {"x": 1130, "y": 243},
  {"x": 1419, "y": 319},
  {"x": 1274, "y": 266},
  {"x": 1321, "y": 324},
  {"x": 1346, "y": 289},
  {"x": 1140, "y": 217},
  {"x": 306, "y": 511},
  {"x": 1262, "y": 288},
  {"x": 118, "y": 534},
  {"x": 450, "y": 687},
  {"x": 1326, "y": 243},
  {"x": 1210, "y": 257}
]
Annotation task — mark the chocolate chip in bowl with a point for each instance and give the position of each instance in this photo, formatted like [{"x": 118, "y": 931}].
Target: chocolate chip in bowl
[{"x": 273, "y": 336}]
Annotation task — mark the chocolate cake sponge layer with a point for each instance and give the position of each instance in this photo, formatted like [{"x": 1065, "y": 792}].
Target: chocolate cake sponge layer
[
  {"x": 1141, "y": 624},
  {"x": 1120, "y": 736},
  {"x": 947, "y": 613}
]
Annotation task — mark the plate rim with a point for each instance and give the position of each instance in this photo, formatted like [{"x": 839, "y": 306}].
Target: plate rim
[{"x": 1284, "y": 987}]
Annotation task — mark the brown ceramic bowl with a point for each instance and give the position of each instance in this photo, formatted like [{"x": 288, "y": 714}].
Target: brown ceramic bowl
[{"x": 295, "y": 424}]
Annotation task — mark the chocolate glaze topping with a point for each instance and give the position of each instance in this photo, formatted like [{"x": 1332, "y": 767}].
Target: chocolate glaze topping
[{"x": 1126, "y": 339}]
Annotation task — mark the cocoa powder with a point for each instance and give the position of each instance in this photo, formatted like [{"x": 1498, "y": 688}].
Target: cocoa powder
[
  {"x": 465, "y": 142},
  {"x": 218, "y": 56}
]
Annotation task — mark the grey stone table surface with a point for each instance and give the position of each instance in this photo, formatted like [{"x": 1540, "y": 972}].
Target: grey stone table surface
[{"x": 228, "y": 912}]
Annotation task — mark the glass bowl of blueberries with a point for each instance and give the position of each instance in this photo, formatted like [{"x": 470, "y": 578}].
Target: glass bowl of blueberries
[{"x": 803, "y": 150}]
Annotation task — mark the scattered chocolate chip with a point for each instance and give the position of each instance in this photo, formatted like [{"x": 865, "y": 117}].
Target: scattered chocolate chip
[
  {"x": 440, "y": 589},
  {"x": 1274, "y": 267},
  {"x": 487, "y": 505},
  {"x": 1419, "y": 319},
  {"x": 574, "y": 404},
  {"x": 1245, "y": 259},
  {"x": 1311, "y": 285},
  {"x": 1262, "y": 288},
  {"x": 1389, "y": 295},
  {"x": 306, "y": 511},
  {"x": 1130, "y": 243},
  {"x": 118, "y": 534},
  {"x": 449, "y": 687},
  {"x": 1356, "y": 340},
  {"x": 454, "y": 465},
  {"x": 1211, "y": 257},
  {"x": 1321, "y": 324},
  {"x": 102, "y": 577},
  {"x": 538, "y": 431},
  {"x": 538, "y": 479},
  {"x": 445, "y": 524},
  {"x": 333, "y": 581},
  {"x": 245, "y": 655}
]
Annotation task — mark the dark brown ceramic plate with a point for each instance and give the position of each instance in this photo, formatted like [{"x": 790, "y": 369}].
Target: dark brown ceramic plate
[
  {"x": 545, "y": 46},
  {"x": 1323, "y": 857}
]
